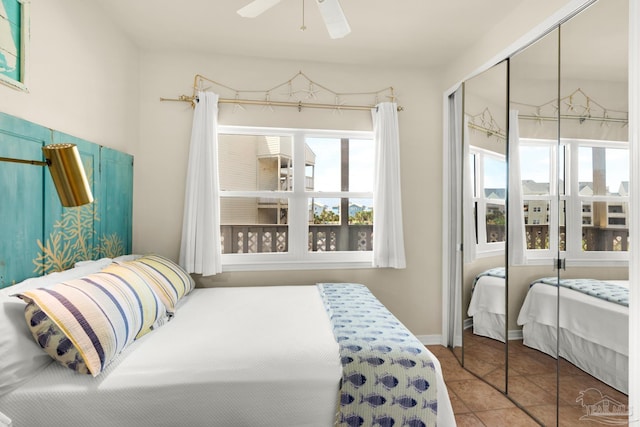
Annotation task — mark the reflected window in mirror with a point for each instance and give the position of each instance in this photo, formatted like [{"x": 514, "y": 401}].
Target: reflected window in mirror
[
  {"x": 539, "y": 183},
  {"x": 489, "y": 179},
  {"x": 602, "y": 187},
  {"x": 592, "y": 181}
]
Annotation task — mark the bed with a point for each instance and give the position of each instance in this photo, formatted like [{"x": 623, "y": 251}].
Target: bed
[
  {"x": 594, "y": 325},
  {"x": 487, "y": 306},
  {"x": 263, "y": 356}
]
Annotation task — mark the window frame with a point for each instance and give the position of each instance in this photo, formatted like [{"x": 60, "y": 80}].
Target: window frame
[
  {"x": 572, "y": 201},
  {"x": 484, "y": 248},
  {"x": 298, "y": 256},
  {"x": 545, "y": 255}
]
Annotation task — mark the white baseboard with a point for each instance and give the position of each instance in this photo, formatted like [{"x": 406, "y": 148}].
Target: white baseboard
[
  {"x": 467, "y": 323},
  {"x": 430, "y": 339},
  {"x": 515, "y": 334}
]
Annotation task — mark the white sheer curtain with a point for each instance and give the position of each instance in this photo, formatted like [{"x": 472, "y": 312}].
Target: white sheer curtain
[
  {"x": 388, "y": 238},
  {"x": 515, "y": 224},
  {"x": 200, "y": 247},
  {"x": 469, "y": 217}
]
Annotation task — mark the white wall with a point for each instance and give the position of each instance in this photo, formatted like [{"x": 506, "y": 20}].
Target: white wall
[
  {"x": 82, "y": 77},
  {"x": 412, "y": 294},
  {"x": 527, "y": 16}
]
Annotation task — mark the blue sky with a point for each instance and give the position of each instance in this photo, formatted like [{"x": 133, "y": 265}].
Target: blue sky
[{"x": 327, "y": 168}]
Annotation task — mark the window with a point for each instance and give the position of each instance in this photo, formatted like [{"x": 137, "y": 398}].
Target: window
[
  {"x": 538, "y": 189},
  {"x": 292, "y": 198},
  {"x": 490, "y": 182},
  {"x": 592, "y": 181},
  {"x": 602, "y": 190}
]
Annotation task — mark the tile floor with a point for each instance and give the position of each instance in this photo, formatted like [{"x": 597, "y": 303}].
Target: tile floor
[
  {"x": 532, "y": 383},
  {"x": 475, "y": 403}
]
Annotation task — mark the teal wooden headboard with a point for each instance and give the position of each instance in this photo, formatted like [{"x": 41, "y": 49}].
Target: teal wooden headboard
[{"x": 39, "y": 236}]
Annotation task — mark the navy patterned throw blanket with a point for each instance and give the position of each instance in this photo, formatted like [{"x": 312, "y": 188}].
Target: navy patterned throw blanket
[
  {"x": 606, "y": 291},
  {"x": 388, "y": 378}
]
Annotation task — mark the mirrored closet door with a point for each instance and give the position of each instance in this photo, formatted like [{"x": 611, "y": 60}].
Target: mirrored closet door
[
  {"x": 593, "y": 105},
  {"x": 543, "y": 189},
  {"x": 534, "y": 224},
  {"x": 568, "y": 157},
  {"x": 484, "y": 189}
]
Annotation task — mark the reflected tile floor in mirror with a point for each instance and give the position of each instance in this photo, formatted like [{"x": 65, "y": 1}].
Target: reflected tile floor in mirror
[
  {"x": 573, "y": 382},
  {"x": 532, "y": 383},
  {"x": 474, "y": 402}
]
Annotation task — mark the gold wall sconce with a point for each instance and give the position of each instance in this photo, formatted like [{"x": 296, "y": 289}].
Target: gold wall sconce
[{"x": 67, "y": 172}]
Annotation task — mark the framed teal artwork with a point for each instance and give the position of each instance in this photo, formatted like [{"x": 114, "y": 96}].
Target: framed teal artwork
[{"x": 14, "y": 42}]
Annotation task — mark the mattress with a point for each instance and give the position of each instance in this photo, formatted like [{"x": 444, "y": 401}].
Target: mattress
[
  {"x": 487, "y": 307},
  {"x": 197, "y": 370},
  {"x": 598, "y": 347}
]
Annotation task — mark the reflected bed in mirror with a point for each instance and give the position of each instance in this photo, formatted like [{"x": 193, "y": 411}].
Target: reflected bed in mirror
[
  {"x": 487, "y": 306},
  {"x": 599, "y": 348}
]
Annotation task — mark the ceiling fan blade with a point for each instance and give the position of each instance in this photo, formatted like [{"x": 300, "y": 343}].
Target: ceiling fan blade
[
  {"x": 334, "y": 18},
  {"x": 256, "y": 7}
]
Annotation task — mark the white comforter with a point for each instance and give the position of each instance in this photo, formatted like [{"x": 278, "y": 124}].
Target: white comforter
[
  {"x": 196, "y": 371},
  {"x": 488, "y": 296},
  {"x": 590, "y": 318},
  {"x": 593, "y": 333}
]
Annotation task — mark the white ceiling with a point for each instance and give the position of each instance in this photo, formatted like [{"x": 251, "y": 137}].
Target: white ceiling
[{"x": 422, "y": 33}]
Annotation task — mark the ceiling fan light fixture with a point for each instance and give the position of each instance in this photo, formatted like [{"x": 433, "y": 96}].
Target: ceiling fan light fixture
[
  {"x": 334, "y": 18},
  {"x": 331, "y": 11},
  {"x": 256, "y": 8}
]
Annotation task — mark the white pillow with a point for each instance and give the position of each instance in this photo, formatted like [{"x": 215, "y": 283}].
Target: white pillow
[
  {"x": 20, "y": 357},
  {"x": 100, "y": 261},
  {"x": 123, "y": 258},
  {"x": 85, "y": 268},
  {"x": 4, "y": 420}
]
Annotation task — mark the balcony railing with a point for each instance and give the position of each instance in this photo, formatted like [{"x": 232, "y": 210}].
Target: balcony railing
[
  {"x": 593, "y": 238},
  {"x": 274, "y": 238},
  {"x": 286, "y": 183},
  {"x": 496, "y": 233}
]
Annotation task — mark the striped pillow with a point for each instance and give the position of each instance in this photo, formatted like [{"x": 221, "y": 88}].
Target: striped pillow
[
  {"x": 53, "y": 340},
  {"x": 85, "y": 323},
  {"x": 168, "y": 279}
]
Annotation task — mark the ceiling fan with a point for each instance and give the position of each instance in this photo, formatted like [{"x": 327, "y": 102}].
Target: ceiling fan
[{"x": 330, "y": 10}]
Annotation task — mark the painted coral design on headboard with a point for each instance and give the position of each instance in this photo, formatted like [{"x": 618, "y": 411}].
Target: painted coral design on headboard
[
  {"x": 72, "y": 239},
  {"x": 112, "y": 246}
]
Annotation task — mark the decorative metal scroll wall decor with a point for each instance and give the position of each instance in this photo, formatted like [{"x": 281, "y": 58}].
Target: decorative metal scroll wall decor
[{"x": 298, "y": 92}]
